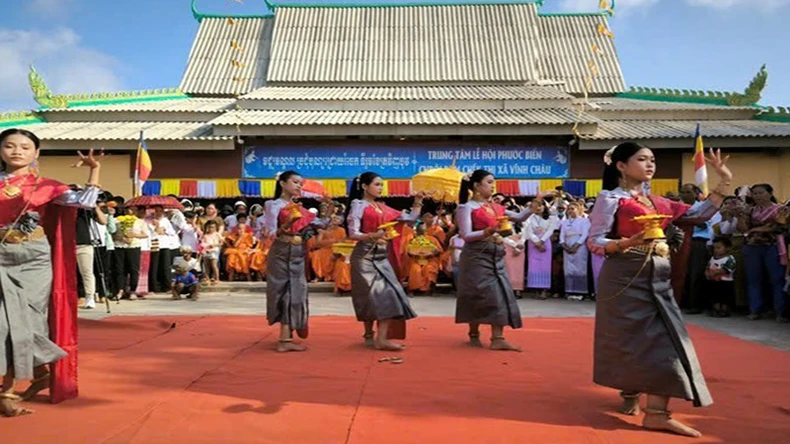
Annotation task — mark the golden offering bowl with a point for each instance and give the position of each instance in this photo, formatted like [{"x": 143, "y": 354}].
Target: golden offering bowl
[
  {"x": 389, "y": 230},
  {"x": 652, "y": 225},
  {"x": 294, "y": 211},
  {"x": 504, "y": 227}
]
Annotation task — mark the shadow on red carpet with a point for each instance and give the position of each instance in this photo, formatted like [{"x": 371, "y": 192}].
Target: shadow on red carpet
[{"x": 172, "y": 379}]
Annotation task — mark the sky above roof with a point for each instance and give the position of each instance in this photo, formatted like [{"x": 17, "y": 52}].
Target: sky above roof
[{"x": 95, "y": 46}]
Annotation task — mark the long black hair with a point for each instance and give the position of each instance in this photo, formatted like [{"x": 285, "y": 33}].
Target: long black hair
[
  {"x": 622, "y": 152},
  {"x": 356, "y": 191},
  {"x": 22, "y": 132},
  {"x": 768, "y": 188},
  {"x": 283, "y": 177},
  {"x": 467, "y": 186}
]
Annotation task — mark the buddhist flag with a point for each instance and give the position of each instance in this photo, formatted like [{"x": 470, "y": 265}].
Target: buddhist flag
[
  {"x": 700, "y": 171},
  {"x": 143, "y": 166}
]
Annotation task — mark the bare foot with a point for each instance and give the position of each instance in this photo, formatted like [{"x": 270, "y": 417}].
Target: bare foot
[
  {"x": 10, "y": 408},
  {"x": 388, "y": 346},
  {"x": 664, "y": 422},
  {"x": 474, "y": 341},
  {"x": 36, "y": 386},
  {"x": 630, "y": 406},
  {"x": 285, "y": 347},
  {"x": 502, "y": 345}
]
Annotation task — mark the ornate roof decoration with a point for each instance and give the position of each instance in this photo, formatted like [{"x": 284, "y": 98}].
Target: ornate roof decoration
[
  {"x": 42, "y": 94},
  {"x": 146, "y": 95},
  {"x": 273, "y": 4},
  {"x": 199, "y": 16},
  {"x": 15, "y": 118},
  {"x": 752, "y": 94},
  {"x": 44, "y": 97},
  {"x": 749, "y": 97},
  {"x": 778, "y": 114}
]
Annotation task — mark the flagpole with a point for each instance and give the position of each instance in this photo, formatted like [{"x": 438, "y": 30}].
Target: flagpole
[{"x": 137, "y": 190}]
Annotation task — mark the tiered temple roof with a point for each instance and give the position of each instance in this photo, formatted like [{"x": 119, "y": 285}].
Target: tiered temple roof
[{"x": 491, "y": 67}]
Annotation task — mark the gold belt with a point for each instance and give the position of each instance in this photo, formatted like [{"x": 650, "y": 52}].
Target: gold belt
[
  {"x": 290, "y": 239},
  {"x": 658, "y": 248},
  {"x": 14, "y": 236},
  {"x": 496, "y": 238}
]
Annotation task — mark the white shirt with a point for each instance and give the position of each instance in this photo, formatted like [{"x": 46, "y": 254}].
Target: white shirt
[
  {"x": 574, "y": 231},
  {"x": 457, "y": 243},
  {"x": 189, "y": 237},
  {"x": 231, "y": 222},
  {"x": 169, "y": 240},
  {"x": 537, "y": 229},
  {"x": 192, "y": 264}
]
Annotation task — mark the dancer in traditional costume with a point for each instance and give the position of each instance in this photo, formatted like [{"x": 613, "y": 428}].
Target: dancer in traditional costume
[
  {"x": 38, "y": 289},
  {"x": 286, "y": 281},
  {"x": 573, "y": 239},
  {"x": 641, "y": 343},
  {"x": 375, "y": 291},
  {"x": 484, "y": 292}
]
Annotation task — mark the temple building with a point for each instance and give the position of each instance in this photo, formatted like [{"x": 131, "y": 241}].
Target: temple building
[{"x": 332, "y": 91}]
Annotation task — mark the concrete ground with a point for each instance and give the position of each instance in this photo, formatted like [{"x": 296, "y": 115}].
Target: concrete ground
[{"x": 250, "y": 299}]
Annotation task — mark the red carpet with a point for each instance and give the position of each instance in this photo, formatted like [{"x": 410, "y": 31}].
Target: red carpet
[{"x": 217, "y": 379}]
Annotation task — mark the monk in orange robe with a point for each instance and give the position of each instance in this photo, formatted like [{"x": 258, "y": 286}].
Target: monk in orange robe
[
  {"x": 424, "y": 269},
  {"x": 433, "y": 229},
  {"x": 258, "y": 257},
  {"x": 322, "y": 258},
  {"x": 342, "y": 273},
  {"x": 238, "y": 249},
  {"x": 407, "y": 235}
]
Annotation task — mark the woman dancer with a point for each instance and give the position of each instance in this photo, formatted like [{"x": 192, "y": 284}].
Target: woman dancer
[
  {"x": 641, "y": 343},
  {"x": 286, "y": 281},
  {"x": 37, "y": 257},
  {"x": 484, "y": 292},
  {"x": 375, "y": 290}
]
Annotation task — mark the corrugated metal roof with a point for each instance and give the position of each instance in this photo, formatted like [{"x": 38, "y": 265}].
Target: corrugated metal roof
[
  {"x": 470, "y": 92},
  {"x": 210, "y": 68},
  {"x": 124, "y": 131},
  {"x": 404, "y": 117},
  {"x": 493, "y": 43},
  {"x": 676, "y": 129},
  {"x": 623, "y": 104},
  {"x": 191, "y": 105},
  {"x": 566, "y": 47}
]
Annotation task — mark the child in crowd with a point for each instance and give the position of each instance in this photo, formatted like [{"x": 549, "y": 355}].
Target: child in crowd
[
  {"x": 190, "y": 232},
  {"x": 238, "y": 249},
  {"x": 185, "y": 283},
  {"x": 210, "y": 247},
  {"x": 719, "y": 274}
]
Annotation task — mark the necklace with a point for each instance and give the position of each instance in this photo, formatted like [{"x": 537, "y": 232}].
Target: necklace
[
  {"x": 377, "y": 208},
  {"x": 11, "y": 191}
]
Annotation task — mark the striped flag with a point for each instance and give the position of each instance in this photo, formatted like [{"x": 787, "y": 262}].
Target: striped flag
[
  {"x": 143, "y": 167},
  {"x": 700, "y": 171}
]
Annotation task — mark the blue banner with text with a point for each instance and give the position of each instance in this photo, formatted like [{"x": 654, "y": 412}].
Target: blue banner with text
[{"x": 404, "y": 160}]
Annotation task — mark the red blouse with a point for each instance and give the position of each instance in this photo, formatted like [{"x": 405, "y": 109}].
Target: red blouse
[
  {"x": 631, "y": 207},
  {"x": 373, "y": 218},
  {"x": 486, "y": 216},
  {"x": 300, "y": 224},
  {"x": 37, "y": 195}
]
